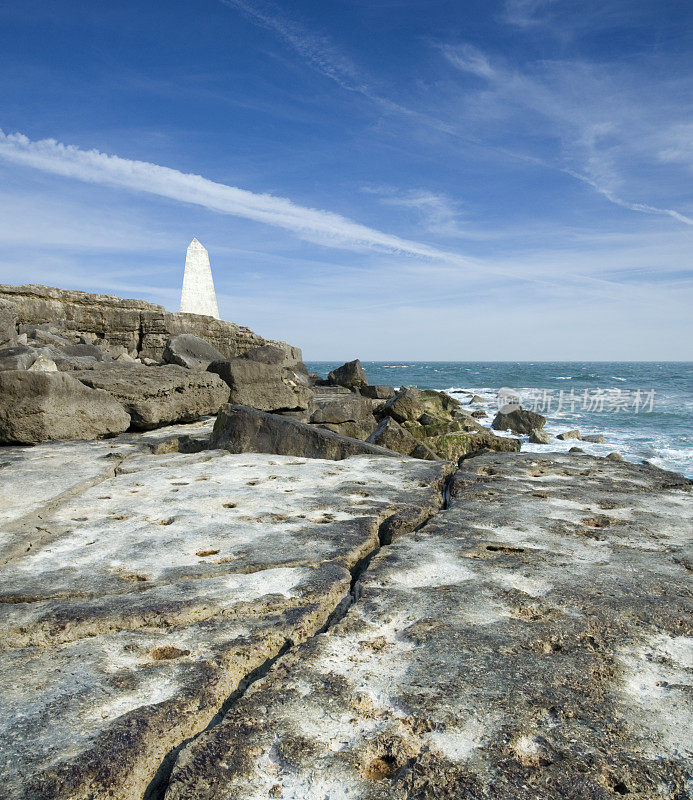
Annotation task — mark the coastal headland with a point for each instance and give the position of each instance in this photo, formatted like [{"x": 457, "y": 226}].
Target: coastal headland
[{"x": 225, "y": 577}]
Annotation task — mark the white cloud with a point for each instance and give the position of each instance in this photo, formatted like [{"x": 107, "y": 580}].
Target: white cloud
[
  {"x": 525, "y": 13},
  {"x": 591, "y": 111},
  {"x": 469, "y": 59},
  {"x": 318, "y": 50},
  {"x": 323, "y": 227},
  {"x": 440, "y": 214}
]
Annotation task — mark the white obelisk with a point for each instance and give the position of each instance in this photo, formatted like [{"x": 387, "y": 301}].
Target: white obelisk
[{"x": 198, "y": 295}]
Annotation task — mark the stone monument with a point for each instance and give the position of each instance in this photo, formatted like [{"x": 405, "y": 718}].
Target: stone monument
[{"x": 198, "y": 295}]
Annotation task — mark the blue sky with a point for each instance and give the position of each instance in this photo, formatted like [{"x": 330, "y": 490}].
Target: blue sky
[{"x": 387, "y": 179}]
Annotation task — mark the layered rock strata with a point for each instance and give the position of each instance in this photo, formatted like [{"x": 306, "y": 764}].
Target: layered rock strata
[{"x": 141, "y": 328}]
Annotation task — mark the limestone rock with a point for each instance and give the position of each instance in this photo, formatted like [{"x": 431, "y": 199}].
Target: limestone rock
[
  {"x": 190, "y": 351},
  {"x": 156, "y": 396},
  {"x": 454, "y": 446},
  {"x": 538, "y": 436},
  {"x": 43, "y": 364},
  {"x": 274, "y": 354},
  {"x": 596, "y": 438},
  {"x": 139, "y": 327},
  {"x": 392, "y": 435},
  {"x": 569, "y": 435},
  {"x": 240, "y": 429},
  {"x": 17, "y": 357},
  {"x": 262, "y": 385},
  {"x": 411, "y": 403},
  {"x": 378, "y": 392},
  {"x": 350, "y": 375},
  {"x": 141, "y": 603},
  {"x": 518, "y": 421},
  {"x": 516, "y": 647},
  {"x": 41, "y": 406},
  {"x": 8, "y": 322},
  {"x": 348, "y": 408}
]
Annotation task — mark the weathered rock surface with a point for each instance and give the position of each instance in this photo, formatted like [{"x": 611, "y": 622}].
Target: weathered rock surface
[
  {"x": 410, "y": 403},
  {"x": 569, "y": 435},
  {"x": 532, "y": 642},
  {"x": 240, "y": 429},
  {"x": 350, "y": 375},
  {"x": 18, "y": 357},
  {"x": 378, "y": 392},
  {"x": 136, "y": 602},
  {"x": 156, "y": 396},
  {"x": 595, "y": 438},
  {"x": 263, "y": 385},
  {"x": 37, "y": 406},
  {"x": 519, "y": 421},
  {"x": 190, "y": 351},
  {"x": 538, "y": 436},
  {"x": 392, "y": 435},
  {"x": 141, "y": 328},
  {"x": 8, "y": 322}
]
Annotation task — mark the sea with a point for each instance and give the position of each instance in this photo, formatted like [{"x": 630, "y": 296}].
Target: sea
[{"x": 644, "y": 410}]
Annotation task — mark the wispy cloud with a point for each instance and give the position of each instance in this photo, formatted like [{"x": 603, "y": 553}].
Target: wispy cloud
[
  {"x": 316, "y": 49},
  {"x": 596, "y": 170},
  {"x": 525, "y": 13},
  {"x": 601, "y": 128},
  {"x": 440, "y": 214},
  {"x": 323, "y": 227}
]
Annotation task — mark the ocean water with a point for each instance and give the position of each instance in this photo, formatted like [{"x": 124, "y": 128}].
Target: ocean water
[{"x": 644, "y": 410}]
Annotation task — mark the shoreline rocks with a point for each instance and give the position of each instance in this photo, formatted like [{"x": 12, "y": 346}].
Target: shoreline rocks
[{"x": 39, "y": 406}]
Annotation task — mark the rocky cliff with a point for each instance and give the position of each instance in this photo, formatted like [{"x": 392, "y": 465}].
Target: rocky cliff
[{"x": 141, "y": 328}]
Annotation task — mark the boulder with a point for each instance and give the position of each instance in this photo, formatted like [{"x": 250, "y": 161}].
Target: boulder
[
  {"x": 262, "y": 385},
  {"x": 392, "y": 435},
  {"x": 190, "y": 351},
  {"x": 452, "y": 446},
  {"x": 48, "y": 335},
  {"x": 479, "y": 414},
  {"x": 79, "y": 356},
  {"x": 240, "y": 429},
  {"x": 350, "y": 375},
  {"x": 538, "y": 436},
  {"x": 596, "y": 438},
  {"x": 411, "y": 403},
  {"x": 8, "y": 322},
  {"x": 518, "y": 421},
  {"x": 378, "y": 392},
  {"x": 477, "y": 399},
  {"x": 349, "y": 408},
  {"x": 18, "y": 357},
  {"x": 42, "y": 406},
  {"x": 348, "y": 414},
  {"x": 155, "y": 396},
  {"x": 569, "y": 435},
  {"x": 272, "y": 354},
  {"x": 43, "y": 364}
]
